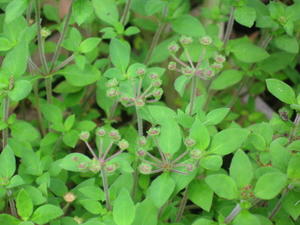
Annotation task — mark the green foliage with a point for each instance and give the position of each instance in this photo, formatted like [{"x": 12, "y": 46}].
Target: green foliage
[{"x": 147, "y": 112}]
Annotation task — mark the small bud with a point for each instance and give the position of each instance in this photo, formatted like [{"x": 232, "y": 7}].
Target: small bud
[
  {"x": 190, "y": 167},
  {"x": 184, "y": 40},
  {"x": 123, "y": 144},
  {"x": 84, "y": 135},
  {"x": 189, "y": 142},
  {"x": 217, "y": 66},
  {"x": 196, "y": 154},
  {"x": 95, "y": 166},
  {"x": 139, "y": 102},
  {"x": 45, "y": 32},
  {"x": 206, "y": 40},
  {"x": 142, "y": 141},
  {"x": 114, "y": 134},
  {"x": 208, "y": 74},
  {"x": 154, "y": 131},
  {"x": 154, "y": 76},
  {"x": 141, "y": 152},
  {"x": 173, "y": 47},
  {"x": 112, "y": 83},
  {"x": 100, "y": 132},
  {"x": 199, "y": 72},
  {"x": 69, "y": 197},
  {"x": 112, "y": 92},
  {"x": 172, "y": 66},
  {"x": 156, "y": 83},
  {"x": 220, "y": 58},
  {"x": 145, "y": 168},
  {"x": 157, "y": 93},
  {"x": 188, "y": 71},
  {"x": 111, "y": 168},
  {"x": 78, "y": 220},
  {"x": 140, "y": 71}
]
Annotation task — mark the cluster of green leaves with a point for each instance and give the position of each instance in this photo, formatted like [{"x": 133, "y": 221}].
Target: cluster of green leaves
[{"x": 133, "y": 112}]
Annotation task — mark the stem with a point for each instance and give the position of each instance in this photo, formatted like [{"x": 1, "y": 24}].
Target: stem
[
  {"x": 48, "y": 83},
  {"x": 295, "y": 128},
  {"x": 5, "y": 118},
  {"x": 139, "y": 122},
  {"x": 182, "y": 205},
  {"x": 61, "y": 38},
  {"x": 229, "y": 26},
  {"x": 236, "y": 210},
  {"x": 135, "y": 180},
  {"x": 41, "y": 46},
  {"x": 193, "y": 95},
  {"x": 64, "y": 63},
  {"x": 278, "y": 205},
  {"x": 12, "y": 204},
  {"x": 106, "y": 190},
  {"x": 125, "y": 13},
  {"x": 156, "y": 36}
]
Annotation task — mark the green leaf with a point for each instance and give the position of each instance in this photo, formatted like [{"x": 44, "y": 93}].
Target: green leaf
[
  {"x": 24, "y": 131},
  {"x": 211, "y": 162},
  {"x": 291, "y": 204},
  {"x": 92, "y": 206},
  {"x": 287, "y": 43},
  {"x": 32, "y": 162},
  {"x": 15, "y": 61},
  {"x": 81, "y": 77},
  {"x": 131, "y": 31},
  {"x": 21, "y": 90},
  {"x": 161, "y": 189},
  {"x": 6, "y": 219},
  {"x": 124, "y": 209},
  {"x": 82, "y": 10},
  {"x": 241, "y": 169},
  {"x": 73, "y": 161},
  {"x": 246, "y": 218},
  {"x": 293, "y": 170},
  {"x": 203, "y": 221},
  {"x": 157, "y": 114},
  {"x": 188, "y": 25},
  {"x": 170, "y": 138},
  {"x": 200, "y": 194},
  {"x": 5, "y": 44},
  {"x": 200, "y": 134},
  {"x": 7, "y": 163},
  {"x": 106, "y": 10},
  {"x": 216, "y": 116},
  {"x": 228, "y": 140},
  {"x": 89, "y": 44},
  {"x": 51, "y": 12},
  {"x": 52, "y": 113},
  {"x": 270, "y": 185},
  {"x": 119, "y": 52},
  {"x": 46, "y": 213},
  {"x": 281, "y": 90},
  {"x": 249, "y": 53},
  {"x": 69, "y": 122},
  {"x": 71, "y": 138},
  {"x": 24, "y": 205},
  {"x": 223, "y": 185},
  {"x": 180, "y": 84},
  {"x": 15, "y": 9},
  {"x": 92, "y": 192},
  {"x": 227, "y": 79},
  {"x": 245, "y": 15},
  {"x": 146, "y": 213}
]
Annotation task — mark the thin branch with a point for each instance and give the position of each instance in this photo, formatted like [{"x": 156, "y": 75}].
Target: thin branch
[
  {"x": 126, "y": 11},
  {"x": 229, "y": 26}
]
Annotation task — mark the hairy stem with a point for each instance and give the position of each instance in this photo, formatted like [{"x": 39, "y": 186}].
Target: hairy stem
[
  {"x": 182, "y": 205},
  {"x": 126, "y": 11},
  {"x": 12, "y": 204},
  {"x": 105, "y": 188},
  {"x": 5, "y": 132},
  {"x": 41, "y": 47},
  {"x": 61, "y": 38},
  {"x": 193, "y": 94},
  {"x": 156, "y": 36},
  {"x": 229, "y": 26},
  {"x": 139, "y": 122},
  {"x": 48, "y": 83},
  {"x": 295, "y": 128}
]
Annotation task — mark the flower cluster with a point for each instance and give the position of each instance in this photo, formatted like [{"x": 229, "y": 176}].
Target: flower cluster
[{"x": 203, "y": 68}]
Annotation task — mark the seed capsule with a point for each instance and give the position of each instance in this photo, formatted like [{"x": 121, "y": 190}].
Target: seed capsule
[
  {"x": 154, "y": 131},
  {"x": 185, "y": 40},
  {"x": 189, "y": 142},
  {"x": 206, "y": 40},
  {"x": 84, "y": 135},
  {"x": 173, "y": 47},
  {"x": 123, "y": 144},
  {"x": 69, "y": 197},
  {"x": 172, "y": 66},
  {"x": 145, "y": 168},
  {"x": 196, "y": 154},
  {"x": 100, "y": 132}
]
